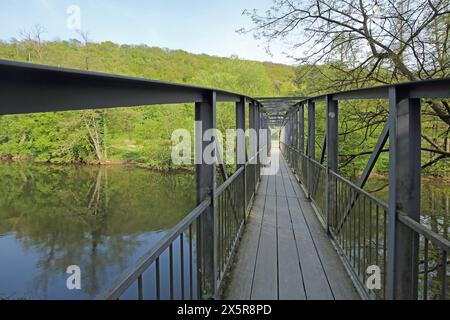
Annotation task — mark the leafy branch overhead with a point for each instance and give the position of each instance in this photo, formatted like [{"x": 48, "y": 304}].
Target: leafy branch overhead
[{"x": 353, "y": 44}]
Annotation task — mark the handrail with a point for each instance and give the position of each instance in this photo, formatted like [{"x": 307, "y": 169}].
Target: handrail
[
  {"x": 52, "y": 89},
  {"x": 58, "y": 89},
  {"x": 225, "y": 185},
  {"x": 364, "y": 240},
  {"x": 437, "y": 239},
  {"x": 129, "y": 276},
  {"x": 309, "y": 158},
  {"x": 381, "y": 203},
  {"x": 420, "y": 89}
]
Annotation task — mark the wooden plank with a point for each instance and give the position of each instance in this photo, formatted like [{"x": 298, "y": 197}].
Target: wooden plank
[
  {"x": 279, "y": 185},
  {"x": 338, "y": 278},
  {"x": 314, "y": 276},
  {"x": 265, "y": 286},
  {"x": 340, "y": 283},
  {"x": 289, "y": 190},
  {"x": 263, "y": 185},
  {"x": 271, "y": 190},
  {"x": 285, "y": 252},
  {"x": 297, "y": 189},
  {"x": 290, "y": 279},
  {"x": 241, "y": 276}
]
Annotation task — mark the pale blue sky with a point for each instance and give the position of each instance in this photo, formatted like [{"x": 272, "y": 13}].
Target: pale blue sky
[{"x": 198, "y": 26}]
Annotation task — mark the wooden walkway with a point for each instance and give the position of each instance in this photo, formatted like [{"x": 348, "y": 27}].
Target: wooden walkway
[{"x": 285, "y": 252}]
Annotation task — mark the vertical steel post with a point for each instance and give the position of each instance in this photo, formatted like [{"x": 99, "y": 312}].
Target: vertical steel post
[
  {"x": 291, "y": 136},
  {"x": 291, "y": 130},
  {"x": 258, "y": 141},
  {"x": 205, "y": 117},
  {"x": 241, "y": 146},
  {"x": 287, "y": 130},
  {"x": 404, "y": 194},
  {"x": 251, "y": 126},
  {"x": 295, "y": 129},
  {"x": 253, "y": 139},
  {"x": 311, "y": 144},
  {"x": 263, "y": 127},
  {"x": 332, "y": 157},
  {"x": 301, "y": 144}
]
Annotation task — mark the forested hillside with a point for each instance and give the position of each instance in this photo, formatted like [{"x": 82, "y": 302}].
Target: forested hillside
[
  {"x": 136, "y": 135},
  {"x": 142, "y": 135}
]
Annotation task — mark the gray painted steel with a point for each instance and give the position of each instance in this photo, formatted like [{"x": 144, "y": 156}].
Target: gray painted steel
[
  {"x": 404, "y": 194},
  {"x": 206, "y": 187},
  {"x": 28, "y": 88}
]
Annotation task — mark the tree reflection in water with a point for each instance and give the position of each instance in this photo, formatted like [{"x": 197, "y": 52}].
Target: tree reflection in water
[
  {"x": 100, "y": 218},
  {"x": 435, "y": 214}
]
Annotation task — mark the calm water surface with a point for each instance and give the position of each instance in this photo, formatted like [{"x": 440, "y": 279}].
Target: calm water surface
[
  {"x": 101, "y": 219},
  {"x": 435, "y": 202}
]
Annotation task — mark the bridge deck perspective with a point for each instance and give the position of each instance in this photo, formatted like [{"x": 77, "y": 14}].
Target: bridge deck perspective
[{"x": 285, "y": 253}]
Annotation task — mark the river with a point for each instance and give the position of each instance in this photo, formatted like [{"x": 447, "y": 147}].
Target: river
[{"x": 103, "y": 219}]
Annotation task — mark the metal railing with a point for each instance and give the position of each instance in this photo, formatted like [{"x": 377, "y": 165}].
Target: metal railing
[
  {"x": 433, "y": 261},
  {"x": 317, "y": 183},
  {"x": 173, "y": 268},
  {"x": 177, "y": 252},
  {"x": 231, "y": 212},
  {"x": 176, "y": 267},
  {"x": 402, "y": 270},
  {"x": 358, "y": 225},
  {"x": 250, "y": 173},
  {"x": 311, "y": 173},
  {"x": 162, "y": 257}
]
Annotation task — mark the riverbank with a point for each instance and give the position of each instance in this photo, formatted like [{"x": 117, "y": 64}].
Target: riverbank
[
  {"x": 109, "y": 163},
  {"x": 437, "y": 180}
]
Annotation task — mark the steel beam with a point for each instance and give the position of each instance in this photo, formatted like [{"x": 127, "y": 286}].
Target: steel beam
[
  {"x": 311, "y": 143},
  {"x": 252, "y": 125},
  {"x": 292, "y": 129},
  {"x": 404, "y": 195},
  {"x": 301, "y": 145},
  {"x": 205, "y": 113},
  {"x": 258, "y": 127},
  {"x": 241, "y": 146},
  {"x": 58, "y": 89},
  {"x": 332, "y": 141},
  {"x": 253, "y": 139},
  {"x": 375, "y": 155},
  {"x": 382, "y": 139},
  {"x": 295, "y": 128},
  {"x": 323, "y": 152}
]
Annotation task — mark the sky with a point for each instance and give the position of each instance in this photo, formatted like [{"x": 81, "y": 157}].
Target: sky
[{"x": 196, "y": 26}]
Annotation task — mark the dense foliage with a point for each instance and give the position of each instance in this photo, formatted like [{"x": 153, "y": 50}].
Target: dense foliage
[
  {"x": 138, "y": 135},
  {"x": 142, "y": 135},
  {"x": 346, "y": 45}
]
